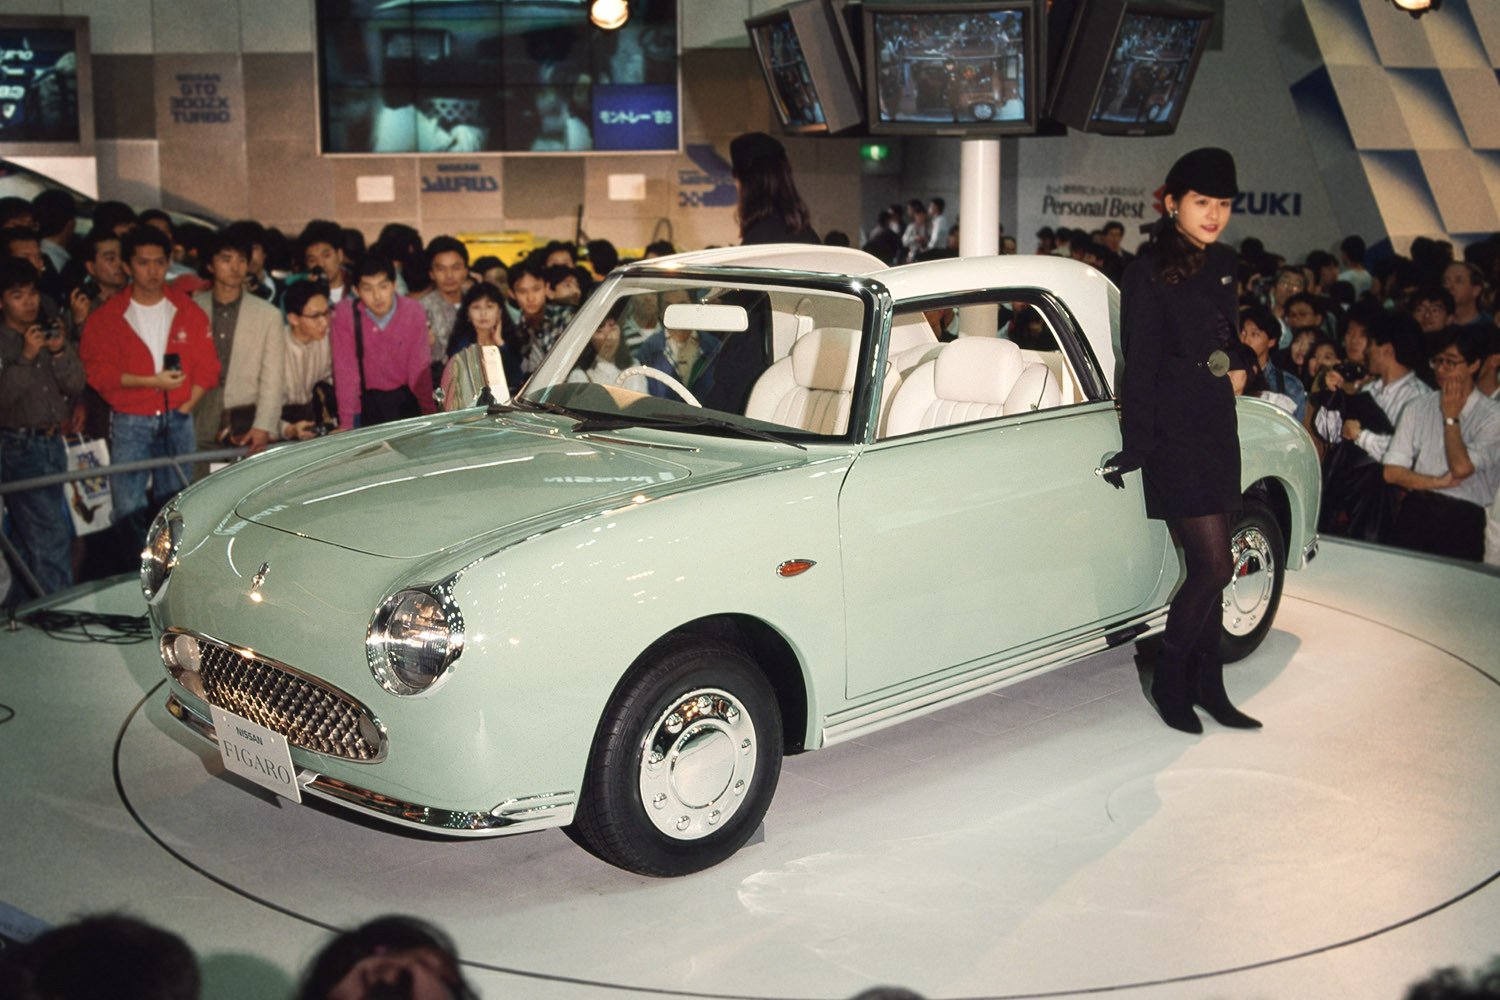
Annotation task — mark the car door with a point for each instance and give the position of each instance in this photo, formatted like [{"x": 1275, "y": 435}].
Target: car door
[{"x": 963, "y": 541}]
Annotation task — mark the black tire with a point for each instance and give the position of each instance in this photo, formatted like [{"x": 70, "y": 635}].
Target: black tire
[
  {"x": 1252, "y": 597},
  {"x": 707, "y": 715}
]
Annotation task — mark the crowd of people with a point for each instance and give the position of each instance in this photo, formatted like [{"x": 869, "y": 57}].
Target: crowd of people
[
  {"x": 171, "y": 340},
  {"x": 168, "y": 340},
  {"x": 392, "y": 957}
]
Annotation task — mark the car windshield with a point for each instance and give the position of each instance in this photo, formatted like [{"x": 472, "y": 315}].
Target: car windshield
[{"x": 751, "y": 358}]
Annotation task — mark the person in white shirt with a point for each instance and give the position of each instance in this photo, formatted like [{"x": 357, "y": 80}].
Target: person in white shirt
[
  {"x": 605, "y": 358},
  {"x": 1352, "y": 254},
  {"x": 1446, "y": 454},
  {"x": 938, "y": 223},
  {"x": 1393, "y": 355}
]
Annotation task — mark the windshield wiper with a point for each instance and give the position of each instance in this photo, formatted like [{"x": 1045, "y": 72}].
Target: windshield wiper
[
  {"x": 534, "y": 406},
  {"x": 683, "y": 421}
]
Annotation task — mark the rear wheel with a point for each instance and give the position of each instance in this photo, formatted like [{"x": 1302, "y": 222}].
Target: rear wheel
[
  {"x": 1254, "y": 591},
  {"x": 685, "y": 761}
]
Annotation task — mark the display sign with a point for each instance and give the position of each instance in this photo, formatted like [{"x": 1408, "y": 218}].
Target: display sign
[
  {"x": 256, "y": 753},
  {"x": 46, "y": 95}
]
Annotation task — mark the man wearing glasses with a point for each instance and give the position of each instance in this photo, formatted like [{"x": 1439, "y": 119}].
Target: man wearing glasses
[{"x": 1446, "y": 454}]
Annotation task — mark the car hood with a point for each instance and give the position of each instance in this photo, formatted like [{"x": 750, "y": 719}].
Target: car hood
[{"x": 436, "y": 486}]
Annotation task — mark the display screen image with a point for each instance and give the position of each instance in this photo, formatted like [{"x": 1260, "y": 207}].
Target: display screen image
[
  {"x": 38, "y": 85},
  {"x": 950, "y": 67},
  {"x": 1149, "y": 70},
  {"x": 470, "y": 76},
  {"x": 786, "y": 69}
]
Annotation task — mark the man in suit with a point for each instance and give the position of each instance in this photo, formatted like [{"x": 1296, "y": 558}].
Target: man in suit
[{"x": 249, "y": 336}]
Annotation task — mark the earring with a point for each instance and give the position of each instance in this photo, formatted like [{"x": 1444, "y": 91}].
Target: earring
[{"x": 1172, "y": 213}]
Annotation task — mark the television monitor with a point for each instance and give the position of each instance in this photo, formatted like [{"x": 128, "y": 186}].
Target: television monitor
[
  {"x": 813, "y": 85},
  {"x": 46, "y": 87},
  {"x": 496, "y": 76},
  {"x": 953, "y": 68},
  {"x": 1129, "y": 64}
]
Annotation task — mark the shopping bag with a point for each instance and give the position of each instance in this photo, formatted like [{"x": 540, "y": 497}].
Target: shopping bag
[{"x": 88, "y": 499}]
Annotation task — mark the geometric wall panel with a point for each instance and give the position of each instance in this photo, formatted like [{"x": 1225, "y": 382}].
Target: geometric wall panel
[
  {"x": 1401, "y": 43},
  {"x": 1454, "y": 178},
  {"x": 1476, "y": 97},
  {"x": 1406, "y": 204},
  {"x": 1375, "y": 119},
  {"x": 1431, "y": 118}
]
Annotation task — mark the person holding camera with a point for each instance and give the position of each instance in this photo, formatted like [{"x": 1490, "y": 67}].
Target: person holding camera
[
  {"x": 149, "y": 353},
  {"x": 40, "y": 375}
]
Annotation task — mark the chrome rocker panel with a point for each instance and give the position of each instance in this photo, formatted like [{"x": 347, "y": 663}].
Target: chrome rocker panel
[{"x": 534, "y": 812}]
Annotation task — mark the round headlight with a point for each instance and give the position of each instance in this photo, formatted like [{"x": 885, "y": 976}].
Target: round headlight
[
  {"x": 414, "y": 638},
  {"x": 160, "y": 554}
]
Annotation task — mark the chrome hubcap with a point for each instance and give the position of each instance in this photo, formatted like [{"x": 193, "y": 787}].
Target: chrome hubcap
[
  {"x": 697, "y": 761},
  {"x": 1248, "y": 596}
]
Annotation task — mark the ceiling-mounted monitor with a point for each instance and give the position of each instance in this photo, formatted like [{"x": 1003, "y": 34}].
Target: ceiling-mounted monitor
[
  {"x": 46, "y": 87},
  {"x": 482, "y": 76},
  {"x": 813, "y": 84},
  {"x": 1128, "y": 65},
  {"x": 953, "y": 68}
]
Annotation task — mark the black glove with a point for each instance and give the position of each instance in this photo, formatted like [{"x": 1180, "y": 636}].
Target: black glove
[{"x": 1115, "y": 467}]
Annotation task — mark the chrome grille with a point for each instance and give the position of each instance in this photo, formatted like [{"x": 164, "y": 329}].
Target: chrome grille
[{"x": 309, "y": 715}]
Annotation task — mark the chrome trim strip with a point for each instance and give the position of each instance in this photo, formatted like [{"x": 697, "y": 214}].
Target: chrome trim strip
[
  {"x": 534, "y": 812},
  {"x": 891, "y": 709},
  {"x": 1310, "y": 551}
]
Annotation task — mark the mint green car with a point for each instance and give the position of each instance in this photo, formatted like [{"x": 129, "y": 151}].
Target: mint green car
[{"x": 748, "y": 505}]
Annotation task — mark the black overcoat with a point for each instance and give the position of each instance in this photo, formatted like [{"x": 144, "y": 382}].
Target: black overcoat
[{"x": 1178, "y": 416}]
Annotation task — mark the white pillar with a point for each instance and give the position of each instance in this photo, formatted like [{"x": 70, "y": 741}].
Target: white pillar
[{"x": 979, "y": 222}]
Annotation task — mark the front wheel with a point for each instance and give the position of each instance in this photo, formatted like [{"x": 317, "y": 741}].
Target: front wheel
[
  {"x": 1254, "y": 592},
  {"x": 684, "y": 763}
]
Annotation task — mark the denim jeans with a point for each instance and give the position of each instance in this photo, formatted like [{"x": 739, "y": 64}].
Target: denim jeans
[
  {"x": 40, "y": 526},
  {"x": 133, "y": 438}
]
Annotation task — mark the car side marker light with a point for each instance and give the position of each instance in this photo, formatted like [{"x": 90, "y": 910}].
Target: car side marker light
[{"x": 794, "y": 567}]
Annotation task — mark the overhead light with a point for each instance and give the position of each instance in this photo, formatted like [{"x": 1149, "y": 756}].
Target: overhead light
[
  {"x": 610, "y": 14},
  {"x": 1416, "y": 8}
]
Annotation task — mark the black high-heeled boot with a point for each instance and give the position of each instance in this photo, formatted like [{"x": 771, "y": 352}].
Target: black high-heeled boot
[
  {"x": 1208, "y": 684},
  {"x": 1172, "y": 689}
]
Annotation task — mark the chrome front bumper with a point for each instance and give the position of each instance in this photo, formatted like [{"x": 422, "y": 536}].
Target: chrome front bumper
[{"x": 535, "y": 812}]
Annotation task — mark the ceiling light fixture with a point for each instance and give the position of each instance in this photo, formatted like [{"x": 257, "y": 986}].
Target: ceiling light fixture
[
  {"x": 1416, "y": 8},
  {"x": 610, "y": 14}
]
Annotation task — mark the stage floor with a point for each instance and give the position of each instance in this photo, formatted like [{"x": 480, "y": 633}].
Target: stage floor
[{"x": 1053, "y": 839}]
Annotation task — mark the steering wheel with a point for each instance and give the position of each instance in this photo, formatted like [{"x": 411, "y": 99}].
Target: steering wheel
[{"x": 662, "y": 377}]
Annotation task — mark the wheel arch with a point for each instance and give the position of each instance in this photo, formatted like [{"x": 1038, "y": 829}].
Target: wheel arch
[
  {"x": 1273, "y": 493},
  {"x": 772, "y": 652}
]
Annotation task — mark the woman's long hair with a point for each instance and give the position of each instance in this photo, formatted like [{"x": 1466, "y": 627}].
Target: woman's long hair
[
  {"x": 768, "y": 190},
  {"x": 1177, "y": 257},
  {"x": 463, "y": 333}
]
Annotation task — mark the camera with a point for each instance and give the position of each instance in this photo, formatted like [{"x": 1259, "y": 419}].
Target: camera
[
  {"x": 171, "y": 362},
  {"x": 1350, "y": 371}
]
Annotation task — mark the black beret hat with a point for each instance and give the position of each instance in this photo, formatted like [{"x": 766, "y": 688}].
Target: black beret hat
[
  {"x": 752, "y": 150},
  {"x": 1208, "y": 170}
]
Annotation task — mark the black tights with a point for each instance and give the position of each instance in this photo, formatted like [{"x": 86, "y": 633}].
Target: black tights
[{"x": 1197, "y": 613}]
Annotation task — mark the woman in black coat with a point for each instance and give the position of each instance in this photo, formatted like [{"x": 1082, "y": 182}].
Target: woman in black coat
[{"x": 1178, "y": 314}]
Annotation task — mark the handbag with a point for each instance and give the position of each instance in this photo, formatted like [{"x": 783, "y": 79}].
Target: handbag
[
  {"x": 380, "y": 406},
  {"x": 90, "y": 501}
]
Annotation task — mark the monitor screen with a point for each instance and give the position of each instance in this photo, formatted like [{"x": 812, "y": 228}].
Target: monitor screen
[
  {"x": 787, "y": 74},
  {"x": 952, "y": 68},
  {"x": 1149, "y": 70},
  {"x": 473, "y": 76},
  {"x": 39, "y": 78}
]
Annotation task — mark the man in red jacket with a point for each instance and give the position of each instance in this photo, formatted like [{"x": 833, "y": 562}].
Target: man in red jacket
[{"x": 148, "y": 352}]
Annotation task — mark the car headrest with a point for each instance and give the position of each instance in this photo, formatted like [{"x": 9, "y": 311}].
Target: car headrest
[
  {"x": 977, "y": 370},
  {"x": 826, "y": 358}
]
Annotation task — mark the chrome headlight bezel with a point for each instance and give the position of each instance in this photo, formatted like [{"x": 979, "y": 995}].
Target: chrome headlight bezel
[
  {"x": 414, "y": 638},
  {"x": 159, "y": 557}
]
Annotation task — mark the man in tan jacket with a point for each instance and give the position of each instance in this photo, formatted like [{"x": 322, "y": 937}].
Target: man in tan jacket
[{"x": 249, "y": 335}]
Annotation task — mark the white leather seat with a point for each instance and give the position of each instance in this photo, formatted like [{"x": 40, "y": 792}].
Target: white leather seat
[
  {"x": 812, "y": 386},
  {"x": 972, "y": 378}
]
